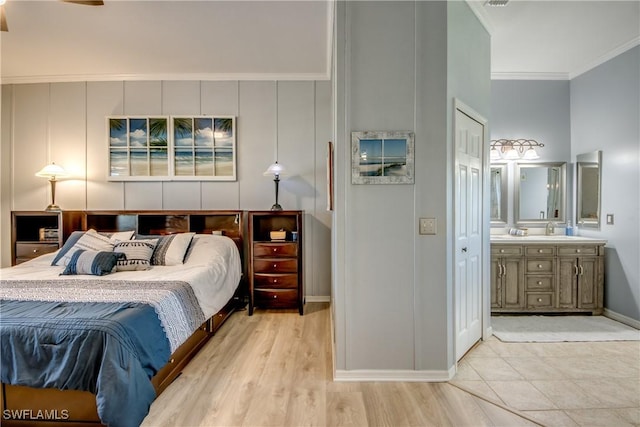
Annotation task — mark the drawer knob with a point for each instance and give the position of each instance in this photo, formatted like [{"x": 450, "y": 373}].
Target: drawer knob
[
  {"x": 539, "y": 265},
  {"x": 275, "y": 265},
  {"x": 275, "y": 250},
  {"x": 577, "y": 251},
  {"x": 539, "y": 299},
  {"x": 539, "y": 282},
  {"x": 539, "y": 251},
  {"x": 35, "y": 251},
  {"x": 501, "y": 251},
  {"x": 275, "y": 296},
  {"x": 275, "y": 280}
]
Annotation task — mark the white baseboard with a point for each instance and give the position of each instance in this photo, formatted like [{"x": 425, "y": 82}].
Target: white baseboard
[
  {"x": 315, "y": 298},
  {"x": 622, "y": 318},
  {"x": 365, "y": 375}
]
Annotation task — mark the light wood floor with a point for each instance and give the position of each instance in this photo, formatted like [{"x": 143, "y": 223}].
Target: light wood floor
[{"x": 274, "y": 369}]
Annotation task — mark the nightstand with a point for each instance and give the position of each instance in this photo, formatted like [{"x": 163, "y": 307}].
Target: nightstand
[
  {"x": 275, "y": 265},
  {"x": 37, "y": 233}
]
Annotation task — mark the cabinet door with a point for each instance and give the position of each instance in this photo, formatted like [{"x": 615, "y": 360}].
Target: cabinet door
[
  {"x": 513, "y": 283},
  {"x": 587, "y": 281},
  {"x": 567, "y": 284},
  {"x": 496, "y": 282}
]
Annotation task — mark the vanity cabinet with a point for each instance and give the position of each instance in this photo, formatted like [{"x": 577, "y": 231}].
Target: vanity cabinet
[
  {"x": 547, "y": 277},
  {"x": 507, "y": 292},
  {"x": 581, "y": 277}
]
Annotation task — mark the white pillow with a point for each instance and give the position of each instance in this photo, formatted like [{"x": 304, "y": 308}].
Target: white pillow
[
  {"x": 90, "y": 241},
  {"x": 121, "y": 236},
  {"x": 137, "y": 254},
  {"x": 171, "y": 249}
]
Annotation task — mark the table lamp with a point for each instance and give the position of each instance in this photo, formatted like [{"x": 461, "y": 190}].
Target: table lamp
[
  {"x": 276, "y": 170},
  {"x": 52, "y": 171}
]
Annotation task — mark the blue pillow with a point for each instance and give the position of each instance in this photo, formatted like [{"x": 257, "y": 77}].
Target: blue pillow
[
  {"x": 72, "y": 240},
  {"x": 92, "y": 262}
]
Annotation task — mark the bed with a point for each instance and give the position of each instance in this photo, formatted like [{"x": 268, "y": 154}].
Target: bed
[{"x": 98, "y": 349}]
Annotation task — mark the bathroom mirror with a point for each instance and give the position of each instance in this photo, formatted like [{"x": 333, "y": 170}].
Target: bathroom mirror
[
  {"x": 498, "y": 192},
  {"x": 540, "y": 193},
  {"x": 589, "y": 178}
]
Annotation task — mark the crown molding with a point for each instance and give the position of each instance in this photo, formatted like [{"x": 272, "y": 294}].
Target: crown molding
[
  {"x": 477, "y": 7},
  {"x": 154, "y": 77},
  {"x": 500, "y": 75},
  {"x": 606, "y": 57}
]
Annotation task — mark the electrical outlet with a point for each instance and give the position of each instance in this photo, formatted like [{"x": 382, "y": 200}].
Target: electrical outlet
[
  {"x": 427, "y": 226},
  {"x": 609, "y": 219}
]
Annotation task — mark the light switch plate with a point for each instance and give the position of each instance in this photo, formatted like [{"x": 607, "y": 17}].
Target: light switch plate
[
  {"x": 609, "y": 219},
  {"x": 427, "y": 226}
]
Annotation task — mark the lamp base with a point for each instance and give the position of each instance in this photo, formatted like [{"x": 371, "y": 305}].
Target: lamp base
[
  {"x": 53, "y": 208},
  {"x": 276, "y": 207}
]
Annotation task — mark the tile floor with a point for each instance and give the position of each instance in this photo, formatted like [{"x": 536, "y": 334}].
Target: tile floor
[{"x": 558, "y": 384}]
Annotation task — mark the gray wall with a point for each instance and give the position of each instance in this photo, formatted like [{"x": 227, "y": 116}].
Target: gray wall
[
  {"x": 605, "y": 107},
  {"x": 65, "y": 123},
  {"x": 392, "y": 294},
  {"x": 532, "y": 109}
]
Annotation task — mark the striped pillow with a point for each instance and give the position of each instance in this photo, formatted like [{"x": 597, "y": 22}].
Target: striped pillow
[
  {"x": 92, "y": 262},
  {"x": 171, "y": 249},
  {"x": 90, "y": 241},
  {"x": 137, "y": 254}
]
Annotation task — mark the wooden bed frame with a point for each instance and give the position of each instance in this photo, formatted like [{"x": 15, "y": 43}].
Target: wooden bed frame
[{"x": 70, "y": 408}]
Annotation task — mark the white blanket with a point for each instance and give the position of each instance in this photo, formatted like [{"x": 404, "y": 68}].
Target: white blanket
[{"x": 212, "y": 267}]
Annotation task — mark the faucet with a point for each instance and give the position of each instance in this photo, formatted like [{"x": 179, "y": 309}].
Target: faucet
[{"x": 550, "y": 229}]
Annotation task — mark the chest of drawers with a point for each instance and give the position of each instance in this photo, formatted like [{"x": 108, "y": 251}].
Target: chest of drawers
[{"x": 275, "y": 266}]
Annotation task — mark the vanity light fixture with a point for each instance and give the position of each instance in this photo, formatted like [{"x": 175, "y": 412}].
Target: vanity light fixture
[
  {"x": 514, "y": 149},
  {"x": 52, "y": 171}
]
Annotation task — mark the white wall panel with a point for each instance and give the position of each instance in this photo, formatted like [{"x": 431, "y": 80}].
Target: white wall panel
[
  {"x": 321, "y": 218},
  {"x": 221, "y": 98},
  {"x": 142, "y": 98},
  {"x": 143, "y": 195},
  {"x": 181, "y": 98},
  {"x": 67, "y": 130},
  {"x": 103, "y": 99},
  {"x": 181, "y": 195},
  {"x": 380, "y": 217},
  {"x": 5, "y": 175},
  {"x": 30, "y": 146},
  {"x": 256, "y": 143},
  {"x": 296, "y": 138}
]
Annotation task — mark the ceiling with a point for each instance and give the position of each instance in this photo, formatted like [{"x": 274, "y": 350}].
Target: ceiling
[{"x": 264, "y": 39}]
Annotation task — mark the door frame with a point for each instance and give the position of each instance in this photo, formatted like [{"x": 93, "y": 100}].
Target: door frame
[{"x": 459, "y": 105}]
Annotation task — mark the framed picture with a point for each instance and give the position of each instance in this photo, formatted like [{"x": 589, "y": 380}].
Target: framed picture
[
  {"x": 193, "y": 148},
  {"x": 330, "y": 176},
  {"x": 382, "y": 157}
]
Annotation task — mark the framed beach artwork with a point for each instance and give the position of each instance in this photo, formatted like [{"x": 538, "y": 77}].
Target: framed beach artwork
[
  {"x": 197, "y": 148},
  {"x": 382, "y": 157}
]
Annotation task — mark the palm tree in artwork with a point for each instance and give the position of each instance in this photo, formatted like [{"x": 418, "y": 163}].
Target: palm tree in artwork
[{"x": 182, "y": 126}]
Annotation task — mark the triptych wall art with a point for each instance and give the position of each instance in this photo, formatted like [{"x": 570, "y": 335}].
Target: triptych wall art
[{"x": 155, "y": 148}]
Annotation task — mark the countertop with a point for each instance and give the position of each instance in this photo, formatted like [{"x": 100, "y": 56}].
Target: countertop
[{"x": 556, "y": 239}]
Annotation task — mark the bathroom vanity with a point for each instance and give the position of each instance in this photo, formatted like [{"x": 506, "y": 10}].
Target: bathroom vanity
[{"x": 546, "y": 274}]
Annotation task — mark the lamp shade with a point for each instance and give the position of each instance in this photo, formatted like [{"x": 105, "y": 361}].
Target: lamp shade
[
  {"x": 531, "y": 154},
  {"x": 51, "y": 171},
  {"x": 275, "y": 169}
]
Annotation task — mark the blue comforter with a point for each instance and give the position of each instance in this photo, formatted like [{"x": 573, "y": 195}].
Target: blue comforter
[{"x": 109, "y": 348}]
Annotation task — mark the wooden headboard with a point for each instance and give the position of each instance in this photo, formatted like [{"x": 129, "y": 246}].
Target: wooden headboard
[{"x": 159, "y": 222}]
